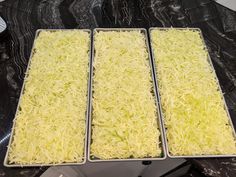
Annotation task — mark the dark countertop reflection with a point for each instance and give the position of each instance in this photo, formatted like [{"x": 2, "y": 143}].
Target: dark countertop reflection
[{"x": 25, "y": 17}]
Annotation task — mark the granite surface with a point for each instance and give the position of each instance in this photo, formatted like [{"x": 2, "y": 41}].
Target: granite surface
[{"x": 25, "y": 17}]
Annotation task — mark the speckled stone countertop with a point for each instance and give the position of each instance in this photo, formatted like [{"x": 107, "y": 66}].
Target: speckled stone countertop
[{"x": 25, "y": 17}]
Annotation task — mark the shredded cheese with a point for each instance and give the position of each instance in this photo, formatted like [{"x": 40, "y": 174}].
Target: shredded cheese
[
  {"x": 50, "y": 122},
  {"x": 194, "y": 112},
  {"x": 124, "y": 118}
]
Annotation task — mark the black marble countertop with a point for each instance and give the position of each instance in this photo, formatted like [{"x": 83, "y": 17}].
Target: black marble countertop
[{"x": 25, "y": 17}]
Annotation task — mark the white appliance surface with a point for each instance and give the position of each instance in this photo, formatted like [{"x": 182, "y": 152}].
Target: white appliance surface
[
  {"x": 231, "y": 4},
  {"x": 115, "y": 169}
]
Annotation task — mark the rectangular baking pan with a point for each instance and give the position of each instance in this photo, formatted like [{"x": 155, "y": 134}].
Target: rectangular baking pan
[
  {"x": 163, "y": 154},
  {"x": 6, "y": 161},
  {"x": 159, "y": 97}
]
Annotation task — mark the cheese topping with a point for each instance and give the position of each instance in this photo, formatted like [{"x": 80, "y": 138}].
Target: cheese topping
[
  {"x": 124, "y": 117},
  {"x": 50, "y": 123},
  {"x": 194, "y": 112}
]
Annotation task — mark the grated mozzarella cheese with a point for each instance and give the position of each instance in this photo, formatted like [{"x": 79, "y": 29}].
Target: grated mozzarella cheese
[
  {"x": 194, "y": 113},
  {"x": 124, "y": 118},
  {"x": 50, "y": 122}
]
